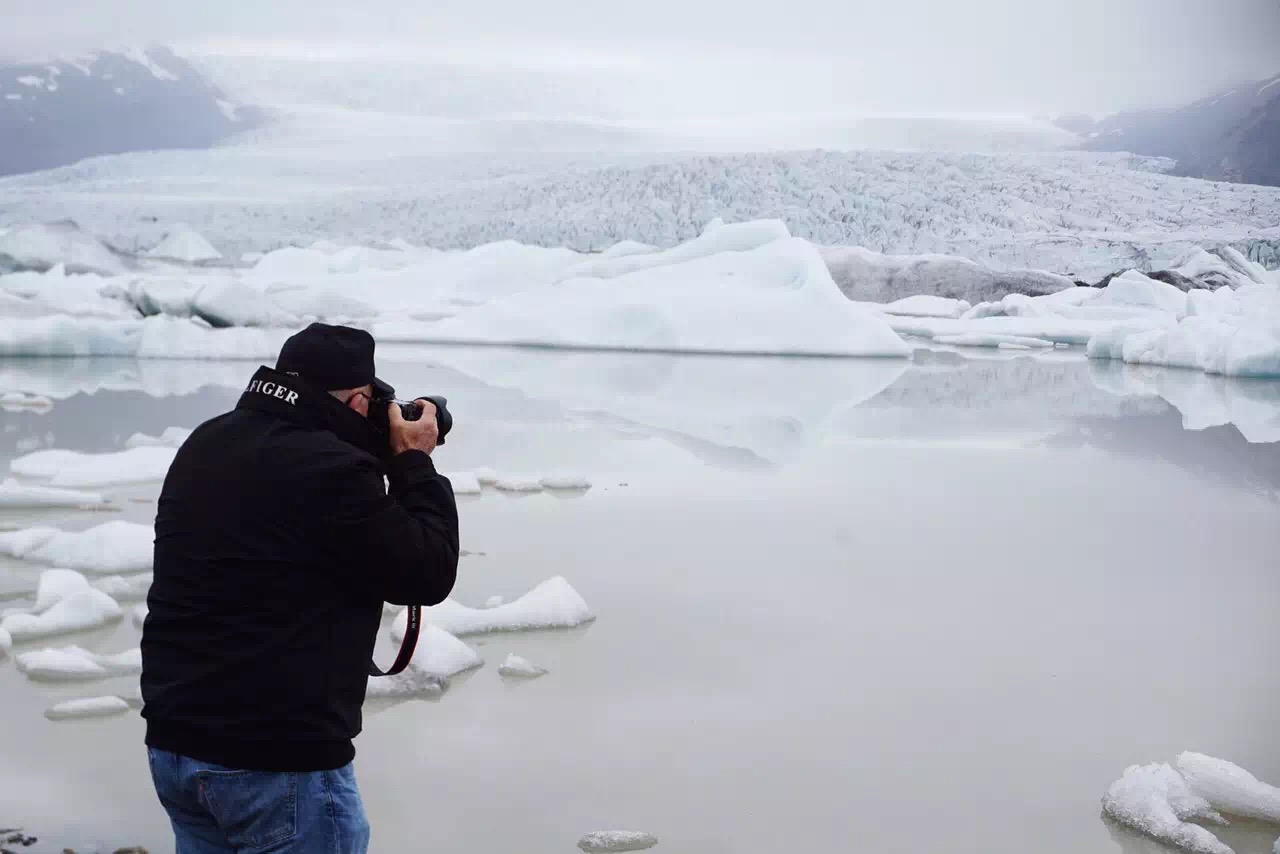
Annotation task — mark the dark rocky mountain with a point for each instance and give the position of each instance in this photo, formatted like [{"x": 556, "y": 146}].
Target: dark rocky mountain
[
  {"x": 1230, "y": 136},
  {"x": 56, "y": 113}
]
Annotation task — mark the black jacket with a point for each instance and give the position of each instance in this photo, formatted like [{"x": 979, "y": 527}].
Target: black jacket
[{"x": 276, "y": 545}]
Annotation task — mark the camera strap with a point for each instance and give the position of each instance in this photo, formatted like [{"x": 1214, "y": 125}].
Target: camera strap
[{"x": 406, "y": 646}]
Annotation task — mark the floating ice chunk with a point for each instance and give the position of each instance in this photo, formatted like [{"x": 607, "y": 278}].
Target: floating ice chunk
[
  {"x": 924, "y": 305},
  {"x": 494, "y": 601},
  {"x": 14, "y": 494},
  {"x": 84, "y": 609},
  {"x": 44, "y": 463},
  {"x": 16, "y": 400},
  {"x": 566, "y": 481},
  {"x": 185, "y": 244},
  {"x": 113, "y": 548},
  {"x": 89, "y": 707},
  {"x": 617, "y": 840},
  {"x": 520, "y": 668},
  {"x": 1155, "y": 800},
  {"x": 55, "y": 585},
  {"x": 124, "y": 588},
  {"x": 1135, "y": 289},
  {"x": 515, "y": 483},
  {"x": 438, "y": 656},
  {"x": 552, "y": 604},
  {"x": 73, "y": 664},
  {"x": 135, "y": 465},
  {"x": 172, "y": 437},
  {"x": 1229, "y": 788},
  {"x": 487, "y": 476},
  {"x": 465, "y": 483},
  {"x": 139, "y": 614},
  {"x": 990, "y": 339}
]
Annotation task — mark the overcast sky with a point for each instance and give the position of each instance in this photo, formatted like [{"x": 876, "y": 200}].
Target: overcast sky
[{"x": 909, "y": 55}]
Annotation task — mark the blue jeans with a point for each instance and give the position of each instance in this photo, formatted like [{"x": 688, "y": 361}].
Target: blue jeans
[{"x": 218, "y": 810}]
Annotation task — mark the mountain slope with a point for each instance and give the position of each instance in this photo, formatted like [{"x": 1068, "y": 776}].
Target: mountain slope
[{"x": 52, "y": 114}]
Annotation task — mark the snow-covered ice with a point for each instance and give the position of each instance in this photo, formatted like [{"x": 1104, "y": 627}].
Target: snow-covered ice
[
  {"x": 1155, "y": 800},
  {"x": 185, "y": 244},
  {"x": 113, "y": 548},
  {"x": 78, "y": 611},
  {"x": 438, "y": 656},
  {"x": 1229, "y": 788},
  {"x": 88, "y": 707},
  {"x": 616, "y": 840},
  {"x": 518, "y": 483},
  {"x": 465, "y": 483},
  {"x": 172, "y": 437},
  {"x": 564, "y": 481},
  {"x": 75, "y": 469},
  {"x": 15, "y": 494},
  {"x": 552, "y": 604},
  {"x": 73, "y": 664},
  {"x": 519, "y": 667}
]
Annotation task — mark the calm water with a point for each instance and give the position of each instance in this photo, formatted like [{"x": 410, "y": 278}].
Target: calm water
[{"x": 842, "y": 605}]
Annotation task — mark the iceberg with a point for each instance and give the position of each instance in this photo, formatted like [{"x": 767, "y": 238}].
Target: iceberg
[
  {"x": 1229, "y": 788},
  {"x": 777, "y": 298},
  {"x": 185, "y": 244},
  {"x": 76, "y": 469},
  {"x": 89, "y": 707},
  {"x": 73, "y": 664},
  {"x": 438, "y": 656},
  {"x": 864, "y": 274},
  {"x": 54, "y": 586},
  {"x": 64, "y": 335},
  {"x": 518, "y": 667},
  {"x": 553, "y": 604},
  {"x": 79, "y": 611},
  {"x": 14, "y": 494},
  {"x": 113, "y": 548},
  {"x": 45, "y": 245},
  {"x": 1155, "y": 800}
]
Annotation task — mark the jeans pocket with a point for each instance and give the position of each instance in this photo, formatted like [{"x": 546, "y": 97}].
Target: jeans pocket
[{"x": 254, "y": 809}]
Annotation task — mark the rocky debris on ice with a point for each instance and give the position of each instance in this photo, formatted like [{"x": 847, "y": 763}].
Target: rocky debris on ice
[
  {"x": 88, "y": 707},
  {"x": 553, "y": 604},
  {"x": 125, "y": 588},
  {"x": 21, "y": 495},
  {"x": 172, "y": 437},
  {"x": 1229, "y": 788},
  {"x": 564, "y": 481},
  {"x": 518, "y": 667},
  {"x": 185, "y": 244},
  {"x": 1155, "y": 800},
  {"x": 1220, "y": 267},
  {"x": 863, "y": 274},
  {"x": 73, "y": 664},
  {"x": 78, "y": 611},
  {"x": 616, "y": 840},
  {"x": 464, "y": 483},
  {"x": 113, "y": 548},
  {"x": 438, "y": 656},
  {"x": 77, "y": 469}
]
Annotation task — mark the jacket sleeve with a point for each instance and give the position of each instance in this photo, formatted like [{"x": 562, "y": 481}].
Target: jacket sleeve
[{"x": 399, "y": 546}]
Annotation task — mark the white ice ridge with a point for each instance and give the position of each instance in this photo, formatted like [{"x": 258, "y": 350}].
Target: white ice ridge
[
  {"x": 73, "y": 664},
  {"x": 1155, "y": 800},
  {"x": 113, "y": 548},
  {"x": 616, "y": 840},
  {"x": 15, "y": 494},
  {"x": 518, "y": 667},
  {"x": 172, "y": 437},
  {"x": 552, "y": 604},
  {"x": 88, "y": 707},
  {"x": 78, "y": 611},
  {"x": 438, "y": 656},
  {"x": 77, "y": 469},
  {"x": 185, "y": 244},
  {"x": 1229, "y": 788}
]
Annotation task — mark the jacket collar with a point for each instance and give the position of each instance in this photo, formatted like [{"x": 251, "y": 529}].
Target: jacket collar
[{"x": 287, "y": 396}]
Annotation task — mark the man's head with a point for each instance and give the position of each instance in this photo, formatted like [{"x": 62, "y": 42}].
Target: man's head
[{"x": 337, "y": 359}]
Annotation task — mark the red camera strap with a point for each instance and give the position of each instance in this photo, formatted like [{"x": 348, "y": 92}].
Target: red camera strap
[{"x": 406, "y": 646}]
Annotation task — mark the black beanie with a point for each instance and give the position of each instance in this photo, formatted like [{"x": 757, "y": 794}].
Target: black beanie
[{"x": 329, "y": 357}]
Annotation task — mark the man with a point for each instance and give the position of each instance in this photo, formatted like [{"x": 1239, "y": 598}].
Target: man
[{"x": 276, "y": 545}]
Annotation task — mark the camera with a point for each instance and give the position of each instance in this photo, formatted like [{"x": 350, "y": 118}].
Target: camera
[{"x": 384, "y": 394}]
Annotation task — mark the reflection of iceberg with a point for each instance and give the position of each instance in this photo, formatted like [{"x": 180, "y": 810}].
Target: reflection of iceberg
[
  {"x": 1252, "y": 405},
  {"x": 769, "y": 406}
]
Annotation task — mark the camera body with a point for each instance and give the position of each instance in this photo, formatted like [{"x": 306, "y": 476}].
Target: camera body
[{"x": 384, "y": 394}]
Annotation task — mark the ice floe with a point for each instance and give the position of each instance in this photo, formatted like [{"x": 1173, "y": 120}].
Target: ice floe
[
  {"x": 518, "y": 667},
  {"x": 438, "y": 656},
  {"x": 15, "y": 495},
  {"x": 113, "y": 548},
  {"x": 564, "y": 481},
  {"x": 552, "y": 604},
  {"x": 616, "y": 840},
  {"x": 88, "y": 707},
  {"x": 465, "y": 483},
  {"x": 125, "y": 588},
  {"x": 518, "y": 483},
  {"x": 78, "y": 611},
  {"x": 1229, "y": 788},
  {"x": 73, "y": 664},
  {"x": 172, "y": 437},
  {"x": 76, "y": 469}
]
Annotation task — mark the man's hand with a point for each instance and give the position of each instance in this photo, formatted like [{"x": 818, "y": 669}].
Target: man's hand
[{"x": 420, "y": 435}]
